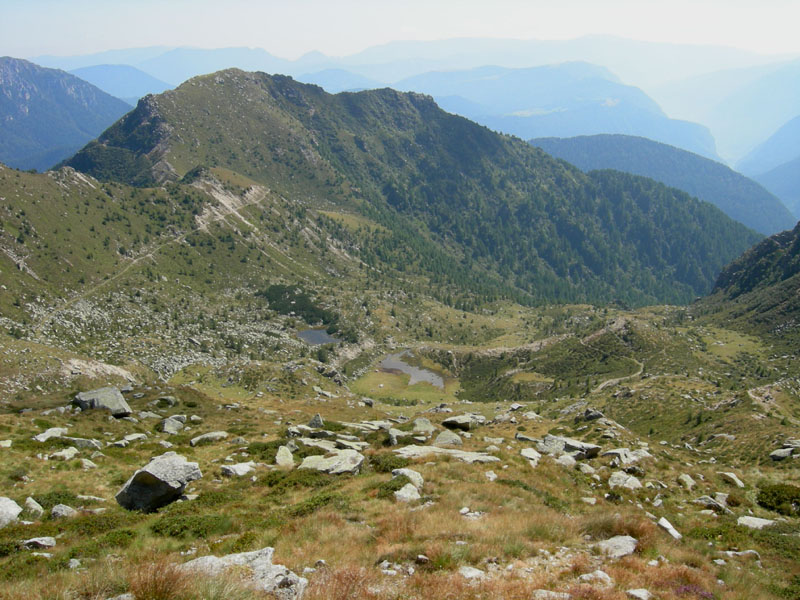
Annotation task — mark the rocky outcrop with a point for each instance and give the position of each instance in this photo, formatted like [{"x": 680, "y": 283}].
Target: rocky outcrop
[
  {"x": 158, "y": 483},
  {"x": 556, "y": 445},
  {"x": 337, "y": 463},
  {"x": 107, "y": 398},
  {"x": 9, "y": 511},
  {"x": 256, "y": 570},
  {"x": 412, "y": 452}
]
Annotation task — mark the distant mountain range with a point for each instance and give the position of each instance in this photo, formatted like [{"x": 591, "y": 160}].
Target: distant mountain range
[
  {"x": 782, "y": 147},
  {"x": 784, "y": 182},
  {"x": 737, "y": 196},
  {"x": 123, "y": 81},
  {"x": 453, "y": 201},
  {"x": 47, "y": 114},
  {"x": 558, "y": 100}
]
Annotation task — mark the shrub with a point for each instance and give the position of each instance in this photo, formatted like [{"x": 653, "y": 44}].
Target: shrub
[
  {"x": 197, "y": 526},
  {"x": 281, "y": 481},
  {"x": 387, "y": 489},
  {"x": 306, "y": 507},
  {"x": 386, "y": 462},
  {"x": 53, "y": 497},
  {"x": 780, "y": 497}
]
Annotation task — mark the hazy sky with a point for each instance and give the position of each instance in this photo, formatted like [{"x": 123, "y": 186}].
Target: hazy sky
[{"x": 289, "y": 28}]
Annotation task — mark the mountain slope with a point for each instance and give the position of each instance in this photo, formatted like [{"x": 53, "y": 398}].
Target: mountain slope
[
  {"x": 457, "y": 199},
  {"x": 782, "y": 147},
  {"x": 123, "y": 81},
  {"x": 46, "y": 114},
  {"x": 784, "y": 182},
  {"x": 739, "y": 197},
  {"x": 562, "y": 100},
  {"x": 760, "y": 291}
]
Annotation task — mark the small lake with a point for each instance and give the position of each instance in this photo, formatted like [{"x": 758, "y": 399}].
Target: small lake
[
  {"x": 317, "y": 337},
  {"x": 395, "y": 362}
]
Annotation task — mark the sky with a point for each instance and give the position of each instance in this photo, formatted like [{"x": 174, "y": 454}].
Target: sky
[{"x": 290, "y": 28}]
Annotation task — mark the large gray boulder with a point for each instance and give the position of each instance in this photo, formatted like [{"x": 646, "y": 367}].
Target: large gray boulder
[
  {"x": 447, "y": 438},
  {"x": 208, "y": 438},
  {"x": 261, "y": 573},
  {"x": 107, "y": 398},
  {"x": 158, "y": 483},
  {"x": 464, "y": 422},
  {"x": 556, "y": 444},
  {"x": 170, "y": 426},
  {"x": 9, "y": 511},
  {"x": 338, "y": 463},
  {"x": 617, "y": 546}
]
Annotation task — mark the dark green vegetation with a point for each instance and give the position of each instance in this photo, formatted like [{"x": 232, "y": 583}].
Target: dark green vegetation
[
  {"x": 476, "y": 212},
  {"x": 758, "y": 292},
  {"x": 737, "y": 196},
  {"x": 47, "y": 114}
]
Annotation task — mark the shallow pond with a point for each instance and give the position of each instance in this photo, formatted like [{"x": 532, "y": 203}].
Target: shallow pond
[
  {"x": 395, "y": 362},
  {"x": 317, "y": 337}
]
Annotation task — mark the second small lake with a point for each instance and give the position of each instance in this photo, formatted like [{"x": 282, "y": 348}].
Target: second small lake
[
  {"x": 317, "y": 337},
  {"x": 395, "y": 362}
]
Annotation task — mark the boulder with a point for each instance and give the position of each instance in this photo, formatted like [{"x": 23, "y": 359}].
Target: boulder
[
  {"x": 256, "y": 569},
  {"x": 170, "y": 426},
  {"x": 447, "y": 438},
  {"x": 667, "y": 526},
  {"x": 158, "y": 483},
  {"x": 208, "y": 438},
  {"x": 626, "y": 456},
  {"x": 33, "y": 508},
  {"x": 597, "y": 577},
  {"x": 471, "y": 573},
  {"x": 413, "y": 476},
  {"x": 407, "y": 493},
  {"x": 9, "y": 511},
  {"x": 754, "y": 522},
  {"x": 622, "y": 479},
  {"x": 464, "y": 422},
  {"x": 532, "y": 455},
  {"x": 686, "y": 481},
  {"x": 549, "y": 595},
  {"x": 617, "y": 546},
  {"x": 337, "y": 463},
  {"x": 592, "y": 414},
  {"x": 65, "y": 454},
  {"x": 731, "y": 478},
  {"x": 238, "y": 470},
  {"x": 62, "y": 511},
  {"x": 316, "y": 422},
  {"x": 53, "y": 432},
  {"x": 566, "y": 460},
  {"x": 554, "y": 445},
  {"x": 284, "y": 458},
  {"x": 423, "y": 426},
  {"x": 83, "y": 443},
  {"x": 713, "y": 504},
  {"x": 781, "y": 454},
  {"x": 107, "y": 398},
  {"x": 40, "y": 543},
  {"x": 413, "y": 452},
  {"x": 639, "y": 594}
]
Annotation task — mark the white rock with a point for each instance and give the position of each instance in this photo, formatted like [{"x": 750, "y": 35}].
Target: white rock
[
  {"x": 207, "y": 438},
  {"x": 413, "y": 476},
  {"x": 639, "y": 594},
  {"x": 667, "y": 526},
  {"x": 491, "y": 475},
  {"x": 622, "y": 479},
  {"x": 754, "y": 522},
  {"x": 53, "y": 432},
  {"x": 65, "y": 454},
  {"x": 284, "y": 458},
  {"x": 413, "y": 452},
  {"x": 731, "y": 478},
  {"x": 9, "y": 511},
  {"x": 617, "y": 546},
  {"x": 62, "y": 511},
  {"x": 548, "y": 595},
  {"x": 158, "y": 483},
  {"x": 471, "y": 573},
  {"x": 597, "y": 577},
  {"x": 447, "y": 438},
  {"x": 342, "y": 461},
  {"x": 40, "y": 543},
  {"x": 407, "y": 493},
  {"x": 34, "y": 508},
  {"x": 238, "y": 470}
]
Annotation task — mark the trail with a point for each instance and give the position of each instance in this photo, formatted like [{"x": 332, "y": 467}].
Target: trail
[{"x": 616, "y": 380}]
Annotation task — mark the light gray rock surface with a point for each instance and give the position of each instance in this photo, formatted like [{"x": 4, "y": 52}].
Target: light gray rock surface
[
  {"x": 158, "y": 483},
  {"x": 731, "y": 478},
  {"x": 261, "y": 573},
  {"x": 413, "y": 476},
  {"x": 448, "y": 438},
  {"x": 53, "y": 432},
  {"x": 209, "y": 438},
  {"x": 412, "y": 452},
  {"x": 9, "y": 511},
  {"x": 464, "y": 422},
  {"x": 407, "y": 493},
  {"x": 555, "y": 445},
  {"x": 170, "y": 426},
  {"x": 33, "y": 508},
  {"x": 617, "y": 546},
  {"x": 106, "y": 398},
  {"x": 623, "y": 480},
  {"x": 62, "y": 511},
  {"x": 238, "y": 470},
  {"x": 284, "y": 458},
  {"x": 754, "y": 522},
  {"x": 667, "y": 526},
  {"x": 338, "y": 463}
]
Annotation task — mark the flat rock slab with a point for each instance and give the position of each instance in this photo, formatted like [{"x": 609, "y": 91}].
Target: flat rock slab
[
  {"x": 617, "y": 546},
  {"x": 340, "y": 462},
  {"x": 667, "y": 526},
  {"x": 158, "y": 483},
  {"x": 412, "y": 452},
  {"x": 555, "y": 444},
  {"x": 754, "y": 522},
  {"x": 238, "y": 470},
  {"x": 106, "y": 398},
  {"x": 53, "y": 432},
  {"x": 257, "y": 571},
  {"x": 731, "y": 478},
  {"x": 208, "y": 438},
  {"x": 623, "y": 480}
]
